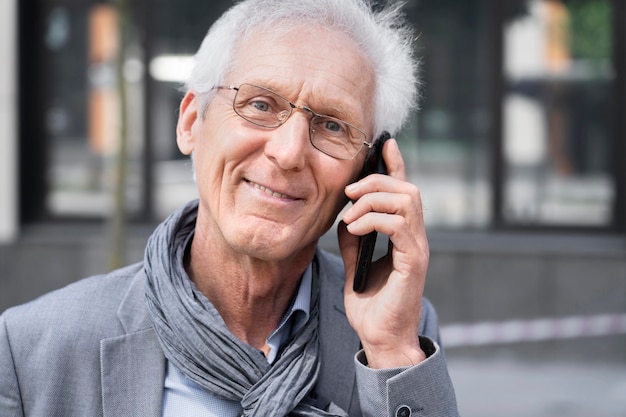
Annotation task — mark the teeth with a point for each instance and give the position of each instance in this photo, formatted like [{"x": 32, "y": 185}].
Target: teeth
[{"x": 268, "y": 191}]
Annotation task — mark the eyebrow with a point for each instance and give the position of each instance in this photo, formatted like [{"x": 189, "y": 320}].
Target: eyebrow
[
  {"x": 333, "y": 110},
  {"x": 340, "y": 113}
]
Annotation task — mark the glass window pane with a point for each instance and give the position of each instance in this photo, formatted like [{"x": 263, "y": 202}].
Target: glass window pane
[
  {"x": 82, "y": 110},
  {"x": 446, "y": 145},
  {"x": 557, "y": 113}
]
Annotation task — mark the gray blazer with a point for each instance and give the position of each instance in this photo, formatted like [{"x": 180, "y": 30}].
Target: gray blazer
[{"x": 89, "y": 350}]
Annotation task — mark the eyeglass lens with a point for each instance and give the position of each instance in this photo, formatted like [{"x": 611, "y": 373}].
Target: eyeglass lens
[{"x": 265, "y": 108}]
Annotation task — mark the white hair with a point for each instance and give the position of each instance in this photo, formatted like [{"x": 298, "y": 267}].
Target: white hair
[{"x": 383, "y": 34}]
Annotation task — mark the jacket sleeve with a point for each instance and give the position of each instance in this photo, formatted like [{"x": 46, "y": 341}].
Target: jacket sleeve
[
  {"x": 421, "y": 390},
  {"x": 10, "y": 401}
]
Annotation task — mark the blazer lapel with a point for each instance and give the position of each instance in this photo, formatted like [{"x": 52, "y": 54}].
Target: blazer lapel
[
  {"x": 133, "y": 369},
  {"x": 132, "y": 365},
  {"x": 338, "y": 340}
]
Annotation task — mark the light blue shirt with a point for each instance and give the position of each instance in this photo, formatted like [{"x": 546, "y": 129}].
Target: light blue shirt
[{"x": 183, "y": 397}]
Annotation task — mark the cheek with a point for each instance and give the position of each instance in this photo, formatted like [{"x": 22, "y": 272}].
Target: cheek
[
  {"x": 336, "y": 179},
  {"x": 209, "y": 160},
  {"x": 217, "y": 144},
  {"x": 227, "y": 138}
]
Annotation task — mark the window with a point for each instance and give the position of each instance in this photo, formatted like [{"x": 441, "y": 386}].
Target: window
[
  {"x": 518, "y": 125},
  {"x": 81, "y": 110},
  {"x": 557, "y": 113},
  {"x": 446, "y": 146}
]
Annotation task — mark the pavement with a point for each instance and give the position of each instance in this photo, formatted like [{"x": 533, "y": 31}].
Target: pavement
[{"x": 521, "y": 388}]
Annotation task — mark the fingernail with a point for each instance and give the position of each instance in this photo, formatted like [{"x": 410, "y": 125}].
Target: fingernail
[{"x": 352, "y": 187}]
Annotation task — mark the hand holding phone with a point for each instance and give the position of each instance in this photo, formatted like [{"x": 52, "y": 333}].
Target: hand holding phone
[{"x": 374, "y": 164}]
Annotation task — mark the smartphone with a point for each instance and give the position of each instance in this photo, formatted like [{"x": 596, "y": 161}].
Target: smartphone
[{"x": 374, "y": 164}]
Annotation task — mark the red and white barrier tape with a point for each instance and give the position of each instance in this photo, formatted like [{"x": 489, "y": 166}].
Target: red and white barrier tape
[{"x": 489, "y": 333}]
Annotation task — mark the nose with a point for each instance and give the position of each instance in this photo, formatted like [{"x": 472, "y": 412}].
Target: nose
[{"x": 289, "y": 144}]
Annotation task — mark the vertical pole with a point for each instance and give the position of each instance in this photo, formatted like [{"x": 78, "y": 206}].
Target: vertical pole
[
  {"x": 149, "y": 86},
  {"x": 619, "y": 114},
  {"x": 118, "y": 220},
  {"x": 497, "y": 12}
]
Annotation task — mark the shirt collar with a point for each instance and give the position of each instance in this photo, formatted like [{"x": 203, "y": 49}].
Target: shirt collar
[{"x": 295, "y": 317}]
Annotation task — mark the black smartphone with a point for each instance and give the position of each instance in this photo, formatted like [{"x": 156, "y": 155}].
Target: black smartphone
[{"x": 374, "y": 164}]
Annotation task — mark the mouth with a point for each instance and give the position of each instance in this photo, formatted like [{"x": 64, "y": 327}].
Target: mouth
[{"x": 270, "y": 192}]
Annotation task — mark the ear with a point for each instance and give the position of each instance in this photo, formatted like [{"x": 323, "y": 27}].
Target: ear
[{"x": 187, "y": 116}]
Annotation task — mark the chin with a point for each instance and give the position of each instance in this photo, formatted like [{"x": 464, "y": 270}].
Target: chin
[
  {"x": 272, "y": 247},
  {"x": 281, "y": 255}
]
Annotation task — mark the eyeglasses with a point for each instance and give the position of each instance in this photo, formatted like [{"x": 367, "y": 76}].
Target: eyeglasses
[{"x": 265, "y": 108}]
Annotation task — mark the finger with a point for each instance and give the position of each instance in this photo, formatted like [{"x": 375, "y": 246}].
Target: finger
[
  {"x": 382, "y": 202},
  {"x": 406, "y": 204},
  {"x": 393, "y": 160},
  {"x": 403, "y": 236},
  {"x": 378, "y": 183},
  {"x": 374, "y": 221}
]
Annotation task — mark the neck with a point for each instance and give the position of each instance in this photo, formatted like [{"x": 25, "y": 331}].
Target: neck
[{"x": 251, "y": 295}]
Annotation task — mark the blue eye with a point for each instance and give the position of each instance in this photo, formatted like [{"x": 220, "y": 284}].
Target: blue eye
[
  {"x": 260, "y": 105},
  {"x": 332, "y": 126},
  {"x": 329, "y": 126}
]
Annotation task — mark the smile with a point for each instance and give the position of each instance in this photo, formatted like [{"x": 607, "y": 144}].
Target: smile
[{"x": 269, "y": 191}]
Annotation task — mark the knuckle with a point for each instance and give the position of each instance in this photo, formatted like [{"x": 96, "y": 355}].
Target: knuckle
[{"x": 415, "y": 194}]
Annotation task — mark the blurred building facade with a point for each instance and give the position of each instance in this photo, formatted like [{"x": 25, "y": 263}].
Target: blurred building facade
[{"x": 518, "y": 149}]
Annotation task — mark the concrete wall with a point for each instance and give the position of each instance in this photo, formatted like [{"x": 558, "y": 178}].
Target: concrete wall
[{"x": 498, "y": 278}]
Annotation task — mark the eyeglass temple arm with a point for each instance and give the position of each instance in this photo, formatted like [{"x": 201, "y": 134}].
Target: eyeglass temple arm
[{"x": 225, "y": 87}]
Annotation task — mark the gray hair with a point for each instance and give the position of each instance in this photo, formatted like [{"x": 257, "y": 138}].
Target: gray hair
[{"x": 384, "y": 36}]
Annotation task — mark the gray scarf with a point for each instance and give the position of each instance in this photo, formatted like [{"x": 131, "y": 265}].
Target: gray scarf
[{"x": 195, "y": 339}]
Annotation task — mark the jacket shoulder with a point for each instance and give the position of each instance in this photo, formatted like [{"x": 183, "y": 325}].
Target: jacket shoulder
[
  {"x": 50, "y": 348},
  {"x": 73, "y": 309}
]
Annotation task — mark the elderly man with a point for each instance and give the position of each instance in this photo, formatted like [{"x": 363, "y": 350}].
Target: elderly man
[{"x": 234, "y": 310}]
